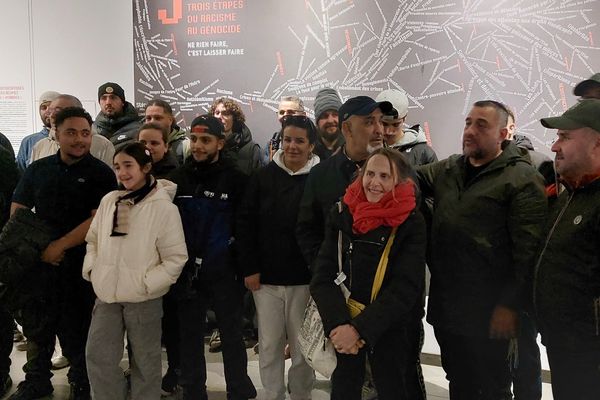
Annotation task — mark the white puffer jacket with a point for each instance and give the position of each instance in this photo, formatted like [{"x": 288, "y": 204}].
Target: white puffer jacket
[{"x": 143, "y": 264}]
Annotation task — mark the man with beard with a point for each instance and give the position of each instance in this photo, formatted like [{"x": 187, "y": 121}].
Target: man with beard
[
  {"x": 24, "y": 156},
  {"x": 360, "y": 120},
  {"x": 488, "y": 215},
  {"x": 65, "y": 190},
  {"x": 118, "y": 120},
  {"x": 327, "y": 104},
  {"x": 159, "y": 112},
  {"x": 209, "y": 190}
]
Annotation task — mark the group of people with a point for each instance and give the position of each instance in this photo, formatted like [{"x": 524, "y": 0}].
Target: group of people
[{"x": 128, "y": 228}]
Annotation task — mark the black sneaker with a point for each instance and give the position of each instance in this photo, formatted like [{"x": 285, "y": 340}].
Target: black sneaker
[
  {"x": 31, "y": 391},
  {"x": 5, "y": 385},
  {"x": 169, "y": 383},
  {"x": 79, "y": 392}
]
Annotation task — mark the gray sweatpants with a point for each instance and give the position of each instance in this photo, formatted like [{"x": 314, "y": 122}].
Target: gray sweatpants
[{"x": 104, "y": 350}]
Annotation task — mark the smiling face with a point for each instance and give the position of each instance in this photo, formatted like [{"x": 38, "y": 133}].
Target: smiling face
[
  {"x": 129, "y": 173},
  {"x": 576, "y": 151},
  {"x": 296, "y": 147},
  {"x": 328, "y": 125},
  {"x": 204, "y": 146},
  {"x": 378, "y": 178},
  {"x": 74, "y": 136}
]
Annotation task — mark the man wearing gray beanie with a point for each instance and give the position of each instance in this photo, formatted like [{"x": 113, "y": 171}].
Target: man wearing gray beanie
[{"x": 327, "y": 104}]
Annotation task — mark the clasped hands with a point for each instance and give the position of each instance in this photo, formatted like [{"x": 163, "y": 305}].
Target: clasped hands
[{"x": 346, "y": 340}]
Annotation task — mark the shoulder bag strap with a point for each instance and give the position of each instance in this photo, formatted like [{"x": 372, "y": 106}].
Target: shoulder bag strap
[{"x": 381, "y": 268}]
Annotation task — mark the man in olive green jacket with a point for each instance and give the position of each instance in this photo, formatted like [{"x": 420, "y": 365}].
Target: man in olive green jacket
[{"x": 489, "y": 209}]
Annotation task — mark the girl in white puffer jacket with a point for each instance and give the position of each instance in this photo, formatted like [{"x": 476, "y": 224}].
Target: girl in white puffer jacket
[{"x": 135, "y": 252}]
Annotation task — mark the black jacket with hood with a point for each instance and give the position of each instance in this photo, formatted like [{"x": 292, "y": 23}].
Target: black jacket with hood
[{"x": 485, "y": 237}]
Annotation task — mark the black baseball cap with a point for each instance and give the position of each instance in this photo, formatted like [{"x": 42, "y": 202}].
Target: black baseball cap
[
  {"x": 362, "y": 105},
  {"x": 213, "y": 125},
  {"x": 582, "y": 86}
]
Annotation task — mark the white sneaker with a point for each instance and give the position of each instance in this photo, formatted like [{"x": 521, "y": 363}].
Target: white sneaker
[{"x": 60, "y": 362}]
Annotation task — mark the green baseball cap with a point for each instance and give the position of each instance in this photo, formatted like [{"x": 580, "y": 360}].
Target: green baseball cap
[
  {"x": 586, "y": 113},
  {"x": 585, "y": 85}
]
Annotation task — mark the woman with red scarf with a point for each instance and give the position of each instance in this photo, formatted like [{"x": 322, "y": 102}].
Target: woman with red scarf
[{"x": 380, "y": 205}]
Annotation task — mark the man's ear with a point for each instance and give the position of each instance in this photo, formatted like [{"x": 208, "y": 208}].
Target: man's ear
[
  {"x": 347, "y": 128},
  {"x": 220, "y": 144},
  {"x": 503, "y": 134}
]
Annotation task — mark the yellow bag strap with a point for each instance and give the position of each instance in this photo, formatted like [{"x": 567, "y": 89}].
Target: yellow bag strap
[{"x": 381, "y": 268}]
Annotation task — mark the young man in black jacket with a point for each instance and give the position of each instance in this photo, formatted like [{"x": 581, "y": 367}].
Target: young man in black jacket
[
  {"x": 209, "y": 189},
  {"x": 65, "y": 189}
]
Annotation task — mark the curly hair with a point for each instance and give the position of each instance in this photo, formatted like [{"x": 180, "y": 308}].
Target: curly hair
[{"x": 231, "y": 107}]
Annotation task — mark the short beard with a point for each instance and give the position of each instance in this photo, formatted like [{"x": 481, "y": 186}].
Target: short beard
[
  {"x": 371, "y": 149},
  {"x": 329, "y": 137}
]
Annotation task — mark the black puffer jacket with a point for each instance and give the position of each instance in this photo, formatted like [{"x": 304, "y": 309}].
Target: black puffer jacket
[
  {"x": 399, "y": 303},
  {"x": 120, "y": 130},
  {"x": 567, "y": 280},
  {"x": 22, "y": 240},
  {"x": 243, "y": 150}
]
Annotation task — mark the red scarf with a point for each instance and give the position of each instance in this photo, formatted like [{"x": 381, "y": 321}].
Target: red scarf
[{"x": 392, "y": 210}]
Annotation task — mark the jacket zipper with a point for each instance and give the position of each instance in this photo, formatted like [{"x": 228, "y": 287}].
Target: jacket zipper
[{"x": 539, "y": 261}]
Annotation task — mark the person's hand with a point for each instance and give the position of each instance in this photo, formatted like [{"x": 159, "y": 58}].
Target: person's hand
[
  {"x": 252, "y": 282},
  {"x": 54, "y": 253},
  {"x": 345, "y": 339},
  {"x": 504, "y": 323}
]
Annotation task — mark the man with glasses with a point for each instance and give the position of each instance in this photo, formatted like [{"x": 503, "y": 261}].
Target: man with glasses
[{"x": 488, "y": 216}]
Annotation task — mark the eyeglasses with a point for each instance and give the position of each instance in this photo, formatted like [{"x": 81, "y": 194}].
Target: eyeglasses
[{"x": 289, "y": 112}]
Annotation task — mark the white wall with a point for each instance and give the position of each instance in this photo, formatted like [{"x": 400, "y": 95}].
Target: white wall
[{"x": 71, "y": 46}]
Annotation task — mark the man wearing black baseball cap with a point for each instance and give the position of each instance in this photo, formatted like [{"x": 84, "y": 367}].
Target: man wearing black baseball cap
[
  {"x": 588, "y": 89},
  {"x": 209, "y": 191},
  {"x": 360, "y": 122},
  {"x": 567, "y": 274},
  {"x": 118, "y": 120}
]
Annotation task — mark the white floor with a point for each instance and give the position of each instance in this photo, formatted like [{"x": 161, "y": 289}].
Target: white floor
[{"x": 437, "y": 386}]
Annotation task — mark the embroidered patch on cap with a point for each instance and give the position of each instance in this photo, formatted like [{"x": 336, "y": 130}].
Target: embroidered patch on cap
[
  {"x": 109, "y": 89},
  {"x": 577, "y": 220}
]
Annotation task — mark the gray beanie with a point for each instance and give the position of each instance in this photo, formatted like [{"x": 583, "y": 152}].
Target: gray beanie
[{"x": 327, "y": 99}]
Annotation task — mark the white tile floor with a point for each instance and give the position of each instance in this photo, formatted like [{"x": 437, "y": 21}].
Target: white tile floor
[{"x": 437, "y": 386}]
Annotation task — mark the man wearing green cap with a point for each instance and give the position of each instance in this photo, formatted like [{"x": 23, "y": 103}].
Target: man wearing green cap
[{"x": 567, "y": 273}]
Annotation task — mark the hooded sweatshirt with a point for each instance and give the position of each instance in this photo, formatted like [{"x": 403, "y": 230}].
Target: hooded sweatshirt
[
  {"x": 267, "y": 224},
  {"x": 143, "y": 264},
  {"x": 415, "y": 148},
  {"x": 179, "y": 144}
]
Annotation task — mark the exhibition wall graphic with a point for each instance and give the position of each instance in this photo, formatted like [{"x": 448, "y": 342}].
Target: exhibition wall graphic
[{"x": 445, "y": 54}]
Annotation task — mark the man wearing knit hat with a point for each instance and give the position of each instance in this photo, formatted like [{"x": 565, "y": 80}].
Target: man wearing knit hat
[
  {"x": 327, "y": 104},
  {"x": 118, "y": 120},
  {"x": 209, "y": 191},
  {"x": 409, "y": 141},
  {"x": 23, "y": 158},
  {"x": 588, "y": 89},
  {"x": 567, "y": 273}
]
